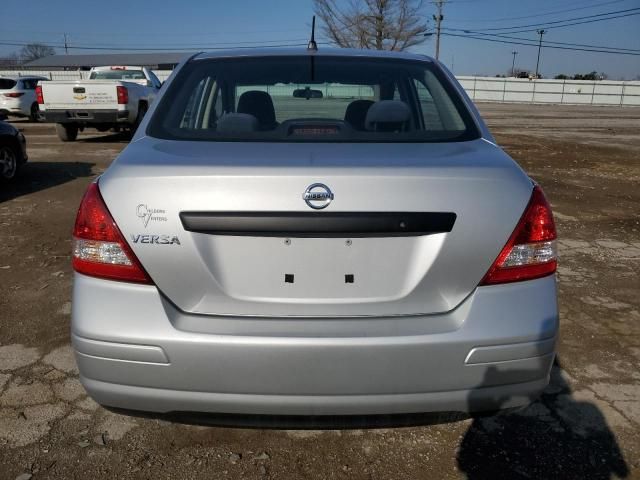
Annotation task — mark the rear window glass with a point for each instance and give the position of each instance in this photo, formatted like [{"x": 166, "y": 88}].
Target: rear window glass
[
  {"x": 314, "y": 99},
  {"x": 7, "y": 83},
  {"x": 117, "y": 75},
  {"x": 30, "y": 84}
]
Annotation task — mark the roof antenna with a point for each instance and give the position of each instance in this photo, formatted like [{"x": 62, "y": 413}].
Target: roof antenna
[{"x": 312, "y": 43}]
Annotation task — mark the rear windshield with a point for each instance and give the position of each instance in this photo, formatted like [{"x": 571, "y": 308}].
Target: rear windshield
[
  {"x": 7, "y": 83},
  {"x": 117, "y": 75},
  {"x": 312, "y": 99}
]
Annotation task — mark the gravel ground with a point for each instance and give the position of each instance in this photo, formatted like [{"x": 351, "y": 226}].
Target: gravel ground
[{"x": 585, "y": 425}]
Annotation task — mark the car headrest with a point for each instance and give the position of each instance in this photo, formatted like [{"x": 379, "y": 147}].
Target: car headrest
[
  {"x": 260, "y": 105},
  {"x": 356, "y": 113},
  {"x": 387, "y": 115},
  {"x": 237, "y": 123}
]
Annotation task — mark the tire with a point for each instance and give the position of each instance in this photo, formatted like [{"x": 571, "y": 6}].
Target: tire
[
  {"x": 67, "y": 133},
  {"x": 142, "y": 110},
  {"x": 9, "y": 161},
  {"x": 34, "y": 116}
]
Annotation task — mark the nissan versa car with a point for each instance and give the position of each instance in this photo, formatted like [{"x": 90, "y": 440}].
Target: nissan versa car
[{"x": 299, "y": 232}]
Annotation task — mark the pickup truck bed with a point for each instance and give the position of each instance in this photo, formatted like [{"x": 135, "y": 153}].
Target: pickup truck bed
[{"x": 118, "y": 102}]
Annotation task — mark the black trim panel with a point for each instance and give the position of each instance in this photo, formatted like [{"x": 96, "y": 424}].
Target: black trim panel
[{"x": 318, "y": 225}]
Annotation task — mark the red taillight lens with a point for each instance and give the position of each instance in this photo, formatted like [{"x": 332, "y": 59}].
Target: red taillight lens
[
  {"x": 13, "y": 94},
  {"x": 39, "y": 95},
  {"x": 99, "y": 249},
  {"x": 531, "y": 250},
  {"x": 123, "y": 95}
]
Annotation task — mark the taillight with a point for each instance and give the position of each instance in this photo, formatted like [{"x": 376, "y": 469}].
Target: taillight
[
  {"x": 99, "y": 249},
  {"x": 39, "y": 95},
  {"x": 531, "y": 250},
  {"x": 123, "y": 95},
  {"x": 14, "y": 94}
]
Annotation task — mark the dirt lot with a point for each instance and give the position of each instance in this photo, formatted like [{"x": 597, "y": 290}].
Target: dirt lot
[{"x": 586, "y": 425}]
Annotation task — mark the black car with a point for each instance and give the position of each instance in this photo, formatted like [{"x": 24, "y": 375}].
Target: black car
[{"x": 13, "y": 151}]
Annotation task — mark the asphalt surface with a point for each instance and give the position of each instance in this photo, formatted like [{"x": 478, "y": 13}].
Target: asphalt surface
[{"x": 585, "y": 425}]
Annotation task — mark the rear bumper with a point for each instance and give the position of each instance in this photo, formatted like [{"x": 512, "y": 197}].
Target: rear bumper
[
  {"x": 85, "y": 116},
  {"x": 17, "y": 111},
  {"x": 136, "y": 351},
  {"x": 20, "y": 106}
]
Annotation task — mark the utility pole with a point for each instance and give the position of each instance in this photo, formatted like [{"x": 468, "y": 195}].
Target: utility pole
[
  {"x": 66, "y": 46},
  {"x": 513, "y": 64},
  {"x": 540, "y": 32},
  {"x": 438, "y": 19}
]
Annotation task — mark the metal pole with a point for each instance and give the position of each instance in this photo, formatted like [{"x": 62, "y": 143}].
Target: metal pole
[
  {"x": 540, "y": 32},
  {"x": 513, "y": 64},
  {"x": 66, "y": 46},
  {"x": 438, "y": 18}
]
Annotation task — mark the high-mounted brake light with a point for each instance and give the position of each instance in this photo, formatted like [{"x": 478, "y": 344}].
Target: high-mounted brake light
[
  {"x": 39, "y": 95},
  {"x": 123, "y": 95},
  {"x": 531, "y": 250},
  {"x": 99, "y": 249}
]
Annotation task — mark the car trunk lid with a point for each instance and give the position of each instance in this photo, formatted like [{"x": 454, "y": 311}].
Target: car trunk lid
[{"x": 224, "y": 229}]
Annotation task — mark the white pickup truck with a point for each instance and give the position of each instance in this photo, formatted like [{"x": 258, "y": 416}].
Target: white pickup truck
[{"x": 113, "y": 97}]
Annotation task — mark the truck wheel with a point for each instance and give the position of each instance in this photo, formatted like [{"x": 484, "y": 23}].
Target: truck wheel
[
  {"x": 142, "y": 110},
  {"x": 67, "y": 133},
  {"x": 34, "y": 115}
]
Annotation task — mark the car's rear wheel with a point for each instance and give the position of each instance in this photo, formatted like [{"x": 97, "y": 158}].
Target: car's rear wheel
[
  {"x": 67, "y": 133},
  {"x": 34, "y": 116},
  {"x": 8, "y": 161}
]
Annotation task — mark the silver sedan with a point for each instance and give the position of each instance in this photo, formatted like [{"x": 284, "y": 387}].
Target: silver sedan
[{"x": 295, "y": 232}]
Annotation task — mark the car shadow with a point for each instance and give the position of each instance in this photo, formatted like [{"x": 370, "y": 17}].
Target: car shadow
[
  {"x": 18, "y": 120},
  {"x": 297, "y": 422},
  {"x": 114, "y": 137},
  {"x": 36, "y": 176},
  {"x": 557, "y": 436}
]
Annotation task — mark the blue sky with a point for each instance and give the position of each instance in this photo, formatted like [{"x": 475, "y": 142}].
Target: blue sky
[{"x": 142, "y": 23}]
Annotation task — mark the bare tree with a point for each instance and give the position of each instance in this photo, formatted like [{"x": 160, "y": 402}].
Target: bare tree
[
  {"x": 373, "y": 24},
  {"x": 34, "y": 51}
]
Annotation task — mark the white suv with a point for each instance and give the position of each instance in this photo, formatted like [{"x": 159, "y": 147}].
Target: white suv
[{"x": 18, "y": 96}]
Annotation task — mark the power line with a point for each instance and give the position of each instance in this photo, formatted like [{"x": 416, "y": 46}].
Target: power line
[
  {"x": 155, "y": 49},
  {"x": 509, "y": 42},
  {"x": 553, "y": 42},
  {"x": 553, "y": 26},
  {"x": 543, "y": 14},
  {"x": 594, "y": 18},
  {"x": 161, "y": 47}
]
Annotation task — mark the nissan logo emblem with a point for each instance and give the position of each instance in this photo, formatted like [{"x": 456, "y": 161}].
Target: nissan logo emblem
[{"x": 317, "y": 196}]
